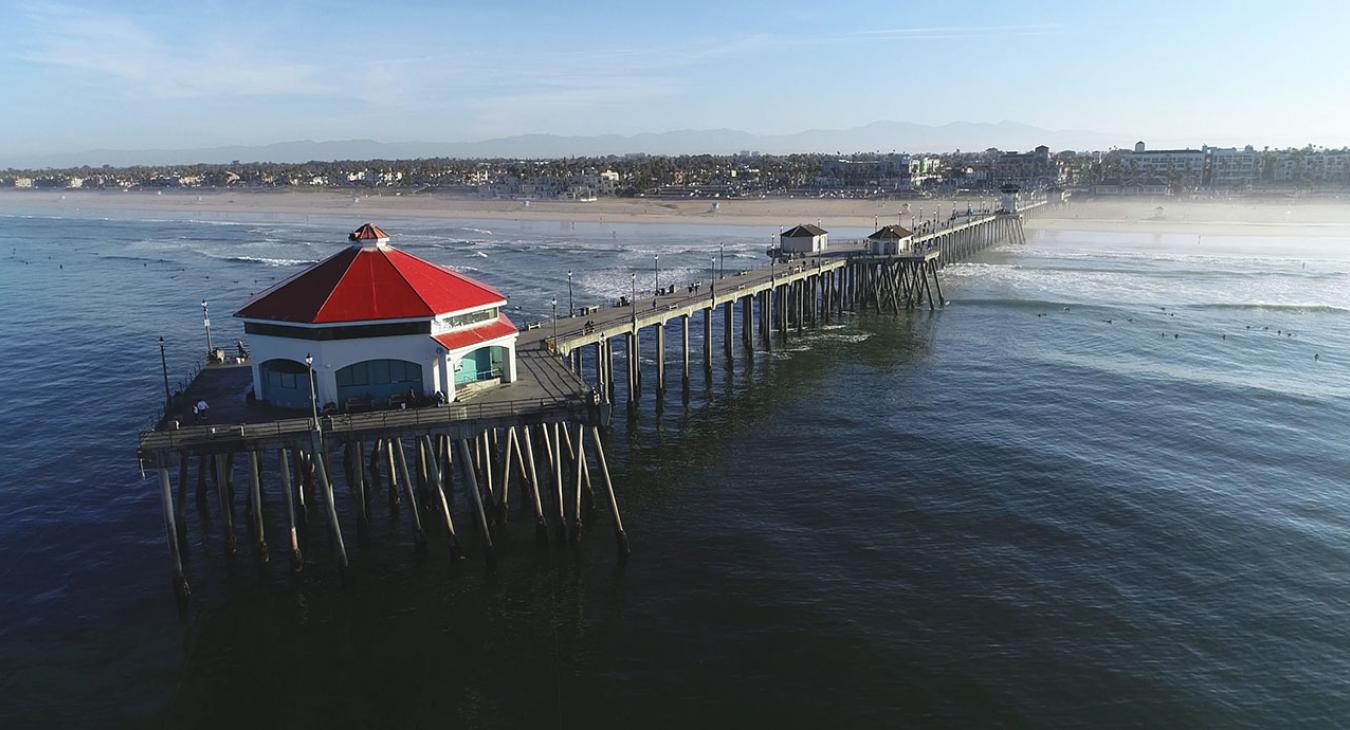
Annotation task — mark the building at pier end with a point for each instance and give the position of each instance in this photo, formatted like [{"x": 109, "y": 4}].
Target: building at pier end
[{"x": 381, "y": 326}]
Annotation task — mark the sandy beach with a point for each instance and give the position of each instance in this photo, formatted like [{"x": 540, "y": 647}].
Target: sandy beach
[{"x": 1258, "y": 217}]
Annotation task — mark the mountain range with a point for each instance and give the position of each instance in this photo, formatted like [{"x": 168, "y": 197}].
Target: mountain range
[{"x": 880, "y": 136}]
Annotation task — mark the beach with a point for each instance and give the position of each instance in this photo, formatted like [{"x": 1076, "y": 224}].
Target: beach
[{"x": 1258, "y": 217}]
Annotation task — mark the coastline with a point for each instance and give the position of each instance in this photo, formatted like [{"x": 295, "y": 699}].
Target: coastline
[{"x": 1257, "y": 217}]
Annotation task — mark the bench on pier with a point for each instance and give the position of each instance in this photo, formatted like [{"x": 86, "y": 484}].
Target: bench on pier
[{"x": 360, "y": 403}]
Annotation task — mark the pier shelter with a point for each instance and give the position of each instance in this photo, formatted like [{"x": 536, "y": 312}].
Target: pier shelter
[
  {"x": 891, "y": 240},
  {"x": 381, "y": 326},
  {"x": 804, "y": 239}
]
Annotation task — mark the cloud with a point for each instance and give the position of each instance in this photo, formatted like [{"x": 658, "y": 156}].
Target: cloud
[
  {"x": 118, "y": 47},
  {"x": 959, "y": 31}
]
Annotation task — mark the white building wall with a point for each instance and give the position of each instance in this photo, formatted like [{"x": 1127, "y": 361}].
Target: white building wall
[
  {"x": 330, "y": 356},
  {"x": 802, "y": 244}
]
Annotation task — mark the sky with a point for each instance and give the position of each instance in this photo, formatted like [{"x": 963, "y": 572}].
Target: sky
[{"x": 126, "y": 75}]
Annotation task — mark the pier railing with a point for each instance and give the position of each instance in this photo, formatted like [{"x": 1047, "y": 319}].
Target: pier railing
[{"x": 340, "y": 423}]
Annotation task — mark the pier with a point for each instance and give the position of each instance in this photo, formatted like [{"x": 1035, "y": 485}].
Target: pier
[{"x": 539, "y": 439}]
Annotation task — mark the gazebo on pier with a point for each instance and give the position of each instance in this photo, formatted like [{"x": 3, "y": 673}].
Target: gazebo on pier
[{"x": 382, "y": 327}]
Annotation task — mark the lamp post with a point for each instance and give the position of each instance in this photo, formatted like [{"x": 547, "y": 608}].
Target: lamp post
[
  {"x": 723, "y": 248},
  {"x": 313, "y": 397},
  {"x": 570, "y": 309},
  {"x": 656, "y": 267},
  {"x": 633, "y": 301},
  {"x": 206, "y": 322},
  {"x": 554, "y": 302},
  {"x": 712, "y": 285},
  {"x": 164, "y": 364}
]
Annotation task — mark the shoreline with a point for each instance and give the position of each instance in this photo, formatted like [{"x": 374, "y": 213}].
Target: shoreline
[{"x": 1258, "y": 218}]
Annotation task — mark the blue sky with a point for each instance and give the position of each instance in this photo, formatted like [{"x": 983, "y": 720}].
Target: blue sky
[{"x": 126, "y": 75}]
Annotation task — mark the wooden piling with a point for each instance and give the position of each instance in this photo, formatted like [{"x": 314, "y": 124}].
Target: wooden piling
[
  {"x": 660, "y": 359},
  {"x": 504, "y": 476},
  {"x": 357, "y": 480},
  {"x": 580, "y": 457},
  {"x": 419, "y": 537},
  {"x": 181, "y": 505},
  {"x": 558, "y": 480},
  {"x": 391, "y": 472},
  {"x": 619, "y": 535},
  {"x": 180, "y": 584},
  {"x": 438, "y": 479},
  {"x": 707, "y": 339},
  {"x": 227, "y": 510},
  {"x": 321, "y": 467},
  {"x": 727, "y": 317},
  {"x": 297, "y": 560},
  {"x": 255, "y": 495},
  {"x": 684, "y": 348},
  {"x": 540, "y": 524},
  {"x": 471, "y": 480}
]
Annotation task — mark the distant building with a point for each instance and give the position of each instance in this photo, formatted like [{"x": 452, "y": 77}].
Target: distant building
[
  {"x": 1311, "y": 167},
  {"x": 381, "y": 325},
  {"x": 890, "y": 240},
  {"x": 804, "y": 239},
  {"x": 1037, "y": 168},
  {"x": 1230, "y": 167},
  {"x": 1180, "y": 168}
]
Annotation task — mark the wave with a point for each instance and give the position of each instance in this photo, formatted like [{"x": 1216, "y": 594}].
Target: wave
[
  {"x": 1185, "y": 273},
  {"x": 1276, "y": 256},
  {"x": 123, "y": 257},
  {"x": 1257, "y": 306},
  {"x": 1028, "y": 303},
  {"x": 264, "y": 260}
]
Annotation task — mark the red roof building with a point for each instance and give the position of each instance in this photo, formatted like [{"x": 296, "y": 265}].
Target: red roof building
[
  {"x": 368, "y": 283},
  {"x": 380, "y": 323}
]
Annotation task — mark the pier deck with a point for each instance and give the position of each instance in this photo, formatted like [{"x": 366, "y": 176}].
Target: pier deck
[{"x": 544, "y": 387}]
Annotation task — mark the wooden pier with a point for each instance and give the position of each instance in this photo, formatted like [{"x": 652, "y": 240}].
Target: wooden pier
[{"x": 537, "y": 441}]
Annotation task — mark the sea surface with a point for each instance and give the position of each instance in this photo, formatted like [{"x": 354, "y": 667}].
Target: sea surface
[{"x": 1105, "y": 487}]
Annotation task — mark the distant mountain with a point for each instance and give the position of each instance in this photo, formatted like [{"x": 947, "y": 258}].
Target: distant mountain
[{"x": 881, "y": 136}]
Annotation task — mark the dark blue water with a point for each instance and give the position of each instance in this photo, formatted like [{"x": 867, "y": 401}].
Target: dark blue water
[{"x": 982, "y": 518}]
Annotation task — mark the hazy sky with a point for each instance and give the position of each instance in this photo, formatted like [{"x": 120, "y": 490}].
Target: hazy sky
[{"x": 123, "y": 75}]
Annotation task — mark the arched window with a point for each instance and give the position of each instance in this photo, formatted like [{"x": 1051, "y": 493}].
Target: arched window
[
  {"x": 285, "y": 383},
  {"x": 373, "y": 382}
]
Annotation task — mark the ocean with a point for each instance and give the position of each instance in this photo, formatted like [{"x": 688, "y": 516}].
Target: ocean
[{"x": 1105, "y": 487}]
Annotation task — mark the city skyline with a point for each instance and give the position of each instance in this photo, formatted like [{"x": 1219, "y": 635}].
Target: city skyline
[{"x": 93, "y": 76}]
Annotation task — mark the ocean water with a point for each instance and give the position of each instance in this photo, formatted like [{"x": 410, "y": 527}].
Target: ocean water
[{"x": 1106, "y": 487}]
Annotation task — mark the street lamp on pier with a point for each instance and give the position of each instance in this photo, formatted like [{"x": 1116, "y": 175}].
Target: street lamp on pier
[
  {"x": 554, "y": 302},
  {"x": 656, "y": 266},
  {"x": 313, "y": 396},
  {"x": 206, "y": 322},
  {"x": 723, "y": 248},
  {"x": 570, "y": 309},
  {"x": 633, "y": 300}
]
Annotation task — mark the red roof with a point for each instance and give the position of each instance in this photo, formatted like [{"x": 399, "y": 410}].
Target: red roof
[
  {"x": 360, "y": 284},
  {"x": 368, "y": 232},
  {"x": 499, "y": 327}
]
